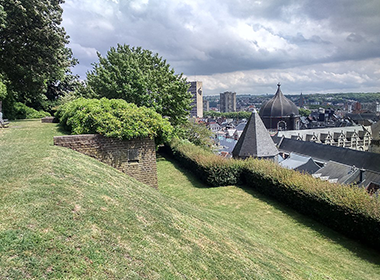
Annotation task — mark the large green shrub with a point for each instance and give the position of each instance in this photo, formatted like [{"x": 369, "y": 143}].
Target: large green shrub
[
  {"x": 18, "y": 110},
  {"x": 113, "y": 118},
  {"x": 3, "y": 90},
  {"x": 21, "y": 111}
]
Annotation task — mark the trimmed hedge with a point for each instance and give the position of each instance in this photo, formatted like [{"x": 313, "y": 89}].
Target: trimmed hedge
[
  {"x": 347, "y": 209},
  {"x": 212, "y": 169}
]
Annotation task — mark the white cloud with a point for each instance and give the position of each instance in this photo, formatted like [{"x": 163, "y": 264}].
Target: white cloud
[
  {"x": 323, "y": 78},
  {"x": 84, "y": 51}
]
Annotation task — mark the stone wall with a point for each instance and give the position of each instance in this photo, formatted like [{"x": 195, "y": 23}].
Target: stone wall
[
  {"x": 136, "y": 157},
  {"x": 49, "y": 120}
]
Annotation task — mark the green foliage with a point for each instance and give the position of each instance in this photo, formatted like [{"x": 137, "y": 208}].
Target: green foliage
[
  {"x": 196, "y": 133},
  {"x": 3, "y": 91},
  {"x": 113, "y": 118},
  {"x": 2, "y": 16},
  {"x": 212, "y": 169},
  {"x": 33, "y": 48},
  {"x": 304, "y": 112},
  {"x": 230, "y": 115},
  {"x": 21, "y": 111},
  {"x": 143, "y": 78},
  {"x": 343, "y": 97},
  {"x": 347, "y": 209}
]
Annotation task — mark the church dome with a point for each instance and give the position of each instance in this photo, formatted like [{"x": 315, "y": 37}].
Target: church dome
[{"x": 278, "y": 106}]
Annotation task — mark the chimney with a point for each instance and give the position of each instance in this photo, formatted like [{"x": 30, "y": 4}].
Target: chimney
[{"x": 362, "y": 175}]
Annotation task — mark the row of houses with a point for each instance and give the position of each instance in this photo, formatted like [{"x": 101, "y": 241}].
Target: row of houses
[{"x": 354, "y": 137}]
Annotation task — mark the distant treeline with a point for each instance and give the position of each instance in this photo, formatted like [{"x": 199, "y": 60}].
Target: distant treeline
[
  {"x": 341, "y": 97},
  {"x": 314, "y": 97},
  {"x": 229, "y": 115}
]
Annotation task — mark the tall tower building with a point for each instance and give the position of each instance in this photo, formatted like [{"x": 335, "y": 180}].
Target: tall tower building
[
  {"x": 228, "y": 102},
  {"x": 301, "y": 102},
  {"x": 196, "y": 90},
  {"x": 206, "y": 105}
]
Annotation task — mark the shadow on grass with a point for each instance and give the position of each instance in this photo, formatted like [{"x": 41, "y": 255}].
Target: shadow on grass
[
  {"x": 196, "y": 182},
  {"x": 360, "y": 250},
  {"x": 62, "y": 130}
]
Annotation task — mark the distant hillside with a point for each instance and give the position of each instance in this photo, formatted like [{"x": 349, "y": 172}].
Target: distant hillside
[{"x": 64, "y": 215}]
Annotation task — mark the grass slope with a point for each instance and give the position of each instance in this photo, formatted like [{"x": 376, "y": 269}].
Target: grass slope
[{"x": 65, "y": 215}]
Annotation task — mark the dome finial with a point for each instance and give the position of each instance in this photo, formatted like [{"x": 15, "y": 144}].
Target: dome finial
[{"x": 278, "y": 84}]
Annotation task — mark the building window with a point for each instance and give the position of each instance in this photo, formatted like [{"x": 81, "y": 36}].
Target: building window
[{"x": 281, "y": 125}]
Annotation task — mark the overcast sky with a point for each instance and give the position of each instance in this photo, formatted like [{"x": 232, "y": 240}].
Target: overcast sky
[{"x": 240, "y": 45}]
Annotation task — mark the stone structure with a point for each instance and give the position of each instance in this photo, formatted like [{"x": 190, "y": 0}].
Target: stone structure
[
  {"x": 255, "y": 141},
  {"x": 197, "y": 99},
  {"x": 228, "y": 102},
  {"x": 280, "y": 113},
  {"x": 49, "y": 120},
  {"x": 136, "y": 158},
  {"x": 301, "y": 101}
]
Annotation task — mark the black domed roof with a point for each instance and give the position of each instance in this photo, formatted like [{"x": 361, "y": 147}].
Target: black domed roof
[{"x": 278, "y": 106}]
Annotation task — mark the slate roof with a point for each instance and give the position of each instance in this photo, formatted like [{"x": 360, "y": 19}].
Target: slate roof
[
  {"x": 309, "y": 167},
  {"x": 325, "y": 153},
  {"x": 226, "y": 144},
  {"x": 370, "y": 176},
  {"x": 255, "y": 140},
  {"x": 241, "y": 126},
  {"x": 300, "y": 163},
  {"x": 278, "y": 106},
  {"x": 337, "y": 172}
]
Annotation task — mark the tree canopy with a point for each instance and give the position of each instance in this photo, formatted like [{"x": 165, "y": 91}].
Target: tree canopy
[
  {"x": 33, "y": 54},
  {"x": 141, "y": 77},
  {"x": 232, "y": 115}
]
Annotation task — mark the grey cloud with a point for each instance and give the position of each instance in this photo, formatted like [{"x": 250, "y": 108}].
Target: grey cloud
[
  {"x": 355, "y": 38},
  {"x": 349, "y": 15},
  {"x": 300, "y": 39},
  {"x": 205, "y": 40}
]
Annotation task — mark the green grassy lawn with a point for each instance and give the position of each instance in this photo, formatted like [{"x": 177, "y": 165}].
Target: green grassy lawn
[{"x": 64, "y": 215}]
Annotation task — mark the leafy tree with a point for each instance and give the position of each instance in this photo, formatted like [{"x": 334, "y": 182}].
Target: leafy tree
[
  {"x": 141, "y": 77},
  {"x": 232, "y": 115},
  {"x": 2, "y": 16},
  {"x": 32, "y": 47},
  {"x": 3, "y": 91},
  {"x": 212, "y": 114},
  {"x": 196, "y": 133},
  {"x": 304, "y": 112}
]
